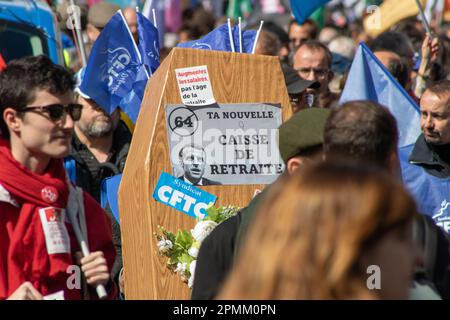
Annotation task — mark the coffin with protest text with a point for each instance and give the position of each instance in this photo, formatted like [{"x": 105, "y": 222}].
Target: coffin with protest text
[{"x": 227, "y": 104}]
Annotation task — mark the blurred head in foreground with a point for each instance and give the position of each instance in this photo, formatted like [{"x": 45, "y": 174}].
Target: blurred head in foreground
[{"x": 328, "y": 232}]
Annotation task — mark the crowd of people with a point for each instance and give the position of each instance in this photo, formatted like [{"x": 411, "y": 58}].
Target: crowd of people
[{"x": 349, "y": 198}]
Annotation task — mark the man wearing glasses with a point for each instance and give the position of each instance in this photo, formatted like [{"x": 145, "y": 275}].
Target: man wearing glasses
[
  {"x": 38, "y": 248},
  {"x": 312, "y": 61}
]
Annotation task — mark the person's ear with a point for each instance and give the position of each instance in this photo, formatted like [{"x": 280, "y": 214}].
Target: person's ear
[
  {"x": 12, "y": 119},
  {"x": 293, "y": 164}
]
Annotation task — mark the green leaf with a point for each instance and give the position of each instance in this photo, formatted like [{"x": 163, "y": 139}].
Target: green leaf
[
  {"x": 185, "y": 258},
  {"x": 184, "y": 239},
  {"x": 213, "y": 214}
]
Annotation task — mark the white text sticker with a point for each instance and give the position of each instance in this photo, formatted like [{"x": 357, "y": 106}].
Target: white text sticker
[{"x": 56, "y": 235}]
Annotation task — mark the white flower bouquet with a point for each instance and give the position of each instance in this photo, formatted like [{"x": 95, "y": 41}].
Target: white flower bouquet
[{"x": 182, "y": 248}]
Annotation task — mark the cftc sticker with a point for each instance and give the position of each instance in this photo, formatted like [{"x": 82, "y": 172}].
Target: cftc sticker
[{"x": 182, "y": 196}]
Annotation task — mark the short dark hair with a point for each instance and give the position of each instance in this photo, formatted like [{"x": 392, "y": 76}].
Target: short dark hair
[
  {"x": 313, "y": 29},
  {"x": 268, "y": 43},
  {"x": 362, "y": 130},
  {"x": 317, "y": 45},
  {"x": 21, "y": 79},
  {"x": 399, "y": 71},
  {"x": 278, "y": 31},
  {"x": 441, "y": 89}
]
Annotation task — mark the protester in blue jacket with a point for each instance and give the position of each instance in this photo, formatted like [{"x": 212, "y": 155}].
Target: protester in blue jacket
[{"x": 426, "y": 164}]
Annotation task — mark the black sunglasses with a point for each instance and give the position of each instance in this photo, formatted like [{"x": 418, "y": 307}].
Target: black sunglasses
[{"x": 57, "y": 111}]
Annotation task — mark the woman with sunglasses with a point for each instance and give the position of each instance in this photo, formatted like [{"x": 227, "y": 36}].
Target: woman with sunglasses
[{"x": 38, "y": 246}]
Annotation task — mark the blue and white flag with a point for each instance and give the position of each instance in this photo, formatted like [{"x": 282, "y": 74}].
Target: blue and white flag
[
  {"x": 159, "y": 7},
  {"x": 109, "y": 191},
  {"x": 148, "y": 43},
  {"x": 370, "y": 80},
  {"x": 131, "y": 103},
  {"x": 115, "y": 75},
  {"x": 248, "y": 38},
  {"x": 303, "y": 9},
  {"x": 219, "y": 39}
]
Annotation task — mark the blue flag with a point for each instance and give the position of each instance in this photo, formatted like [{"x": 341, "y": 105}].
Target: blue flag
[
  {"x": 303, "y": 9},
  {"x": 160, "y": 11},
  {"x": 370, "y": 80},
  {"x": 148, "y": 43},
  {"x": 115, "y": 76},
  {"x": 248, "y": 40},
  {"x": 219, "y": 39},
  {"x": 108, "y": 194},
  {"x": 131, "y": 103}
]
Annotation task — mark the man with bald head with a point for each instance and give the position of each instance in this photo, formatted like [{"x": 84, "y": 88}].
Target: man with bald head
[{"x": 426, "y": 164}]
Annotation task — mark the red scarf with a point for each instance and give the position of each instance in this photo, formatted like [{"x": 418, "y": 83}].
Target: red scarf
[
  {"x": 23, "y": 250},
  {"x": 26, "y": 186},
  {"x": 27, "y": 255}
]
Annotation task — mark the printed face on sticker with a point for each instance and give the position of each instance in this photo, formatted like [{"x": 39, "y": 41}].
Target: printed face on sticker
[{"x": 193, "y": 160}]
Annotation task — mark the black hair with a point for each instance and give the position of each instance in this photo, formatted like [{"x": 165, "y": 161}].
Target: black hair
[
  {"x": 393, "y": 41},
  {"x": 362, "y": 130},
  {"x": 278, "y": 31},
  {"x": 313, "y": 31},
  {"x": 23, "y": 77},
  {"x": 399, "y": 71}
]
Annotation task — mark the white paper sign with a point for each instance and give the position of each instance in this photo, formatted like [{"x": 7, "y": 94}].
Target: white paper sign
[
  {"x": 56, "y": 236},
  {"x": 195, "y": 86},
  {"x": 225, "y": 144}
]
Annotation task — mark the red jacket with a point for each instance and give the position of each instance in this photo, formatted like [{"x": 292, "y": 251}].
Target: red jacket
[{"x": 24, "y": 254}]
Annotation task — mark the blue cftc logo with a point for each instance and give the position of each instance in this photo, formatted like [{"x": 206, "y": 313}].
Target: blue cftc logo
[{"x": 182, "y": 196}]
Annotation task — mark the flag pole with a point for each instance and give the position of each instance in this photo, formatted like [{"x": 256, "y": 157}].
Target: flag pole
[
  {"x": 154, "y": 19},
  {"x": 240, "y": 35},
  {"x": 230, "y": 35},
  {"x": 146, "y": 8},
  {"x": 134, "y": 43},
  {"x": 101, "y": 291},
  {"x": 257, "y": 36},
  {"x": 424, "y": 18},
  {"x": 79, "y": 38}
]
